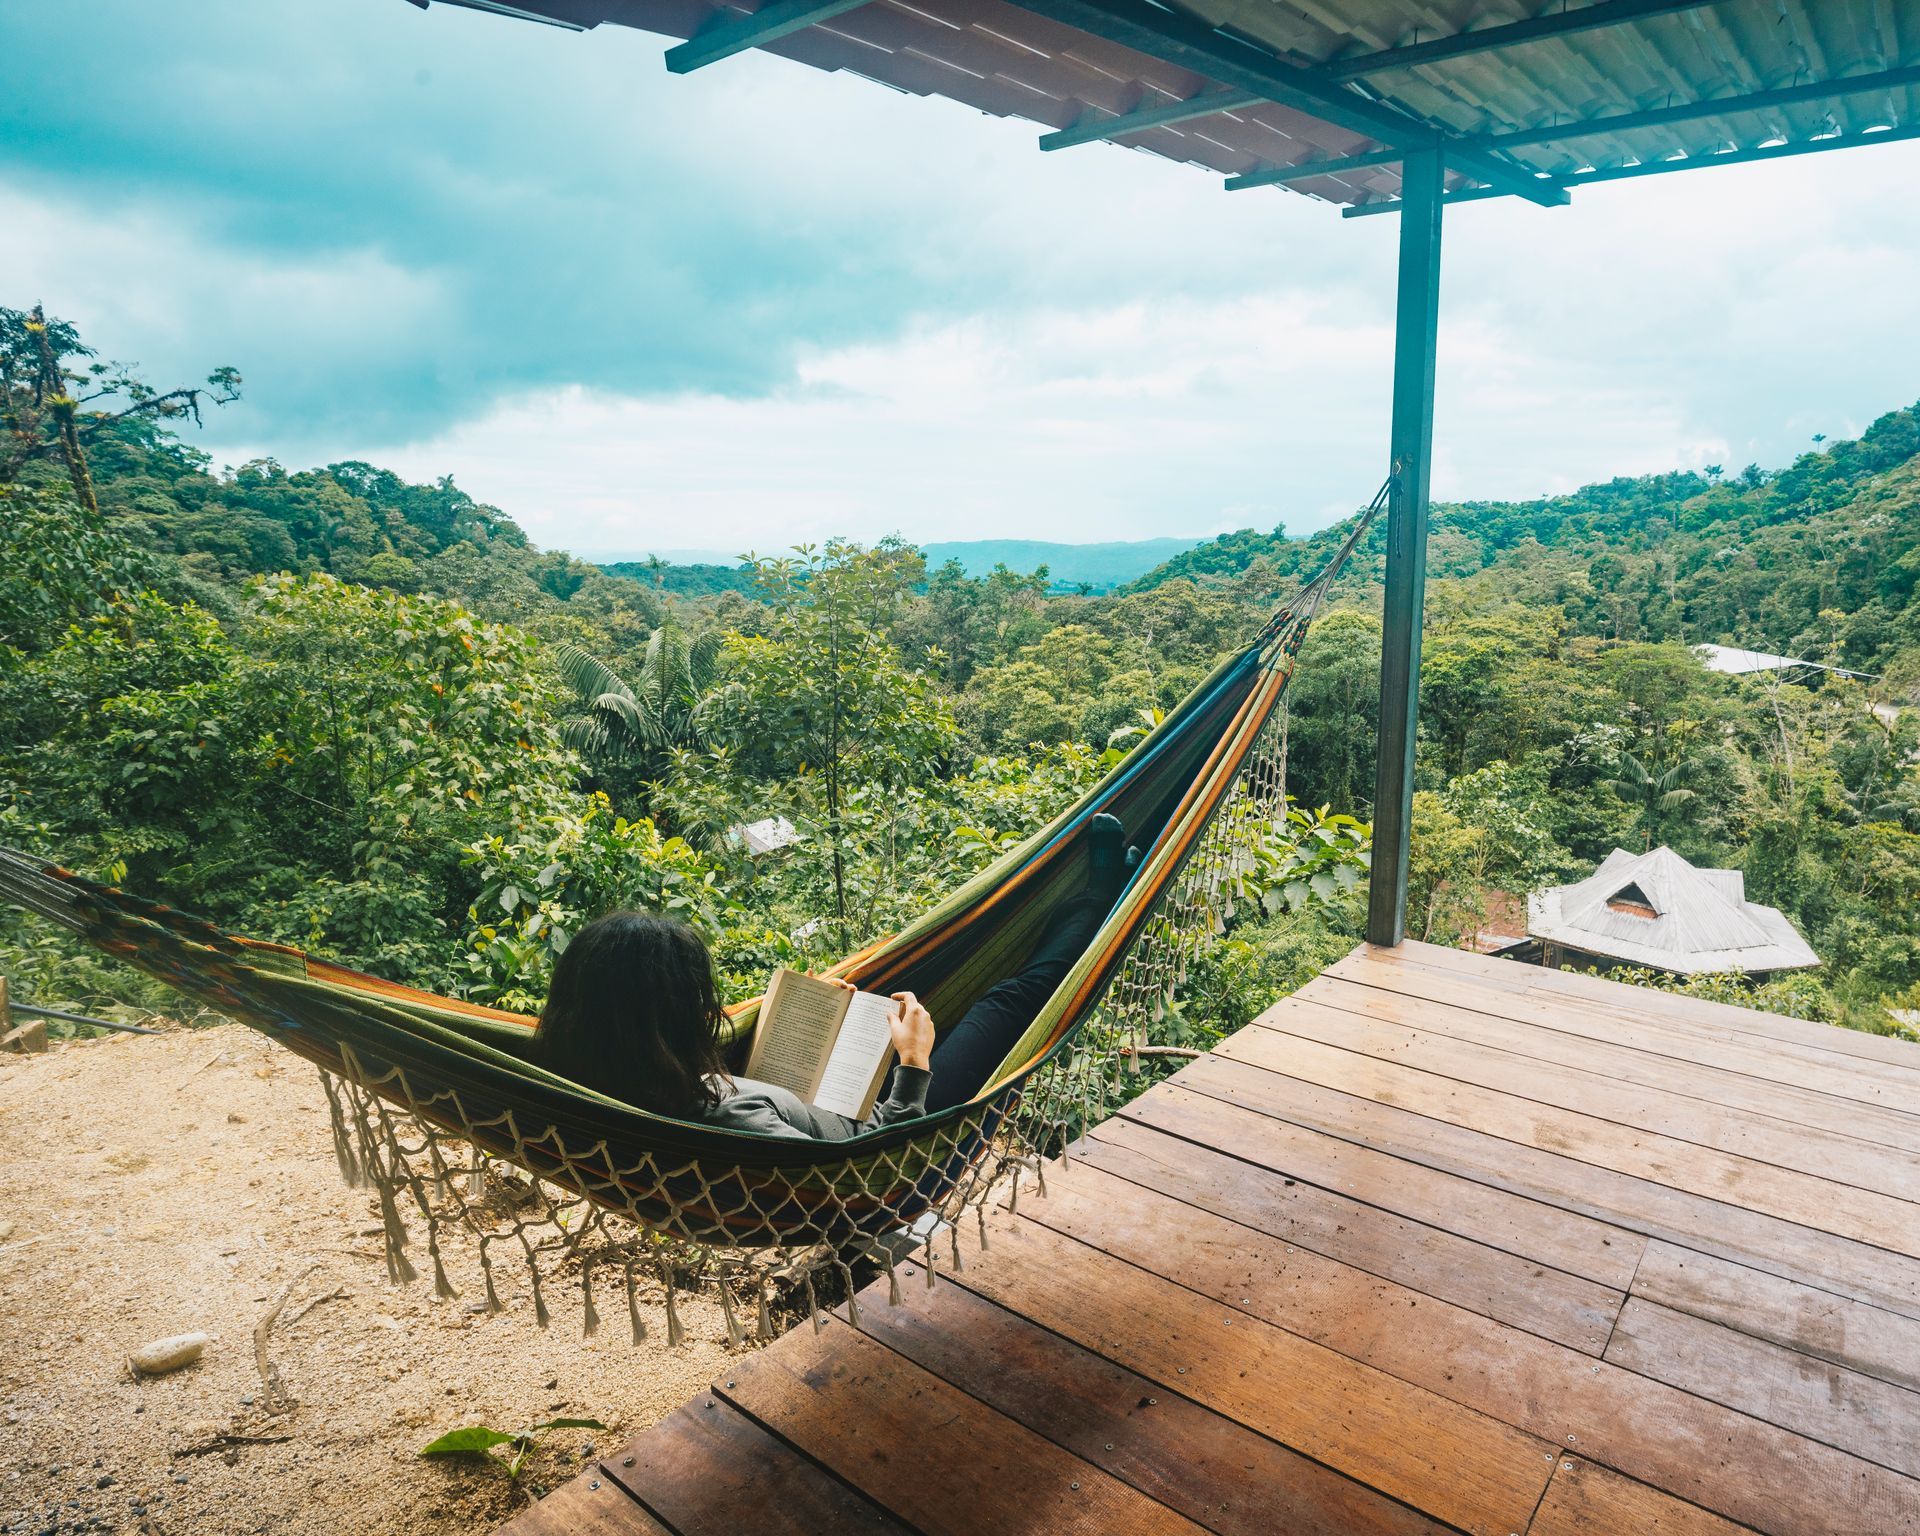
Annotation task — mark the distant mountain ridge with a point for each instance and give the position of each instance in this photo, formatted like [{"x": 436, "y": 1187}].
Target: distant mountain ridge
[{"x": 1097, "y": 568}]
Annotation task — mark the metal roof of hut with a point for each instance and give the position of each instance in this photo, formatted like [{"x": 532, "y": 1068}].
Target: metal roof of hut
[
  {"x": 1525, "y": 100},
  {"x": 1655, "y": 909},
  {"x": 1738, "y": 662}
]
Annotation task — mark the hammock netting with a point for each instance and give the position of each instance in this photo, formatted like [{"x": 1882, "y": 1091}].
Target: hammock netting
[{"x": 437, "y": 1109}]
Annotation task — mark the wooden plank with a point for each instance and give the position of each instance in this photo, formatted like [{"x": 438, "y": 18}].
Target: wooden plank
[
  {"x": 942, "y": 1461},
  {"x": 591, "y": 1504},
  {"x": 1815, "y": 1398},
  {"x": 1418, "y": 1446},
  {"x": 1188, "y": 1457},
  {"x": 1800, "y": 1317},
  {"x": 1584, "y": 987},
  {"x": 1526, "y": 1294},
  {"x": 1742, "y": 1467},
  {"x": 1740, "y": 1077},
  {"x": 1533, "y": 1229},
  {"x": 1819, "y": 1203},
  {"x": 1740, "y": 1132},
  {"x": 1763, "y": 1242},
  {"x": 1588, "y": 1500},
  {"x": 1840, "y": 1077},
  {"x": 708, "y": 1470}
]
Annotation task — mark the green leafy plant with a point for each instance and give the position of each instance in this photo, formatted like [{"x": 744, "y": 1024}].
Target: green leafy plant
[{"x": 506, "y": 1449}]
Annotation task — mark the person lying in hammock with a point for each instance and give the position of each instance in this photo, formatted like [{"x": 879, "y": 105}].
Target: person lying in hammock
[{"x": 634, "y": 1013}]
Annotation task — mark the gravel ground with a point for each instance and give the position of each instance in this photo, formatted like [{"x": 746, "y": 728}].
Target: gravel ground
[{"x": 161, "y": 1185}]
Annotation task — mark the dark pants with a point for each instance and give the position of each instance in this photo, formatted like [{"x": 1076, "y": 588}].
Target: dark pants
[{"x": 966, "y": 1057}]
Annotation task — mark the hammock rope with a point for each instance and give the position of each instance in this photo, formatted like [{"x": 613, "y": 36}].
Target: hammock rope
[{"x": 437, "y": 1111}]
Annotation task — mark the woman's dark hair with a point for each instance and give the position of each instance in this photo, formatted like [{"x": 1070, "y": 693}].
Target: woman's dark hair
[{"x": 633, "y": 1013}]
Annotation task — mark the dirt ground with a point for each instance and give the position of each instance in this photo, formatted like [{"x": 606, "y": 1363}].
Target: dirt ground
[{"x": 160, "y": 1185}]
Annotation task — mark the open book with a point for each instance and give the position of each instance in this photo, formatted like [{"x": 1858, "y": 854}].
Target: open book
[{"x": 830, "y": 1046}]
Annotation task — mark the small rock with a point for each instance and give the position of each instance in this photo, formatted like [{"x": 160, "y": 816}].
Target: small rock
[
  {"x": 169, "y": 1354},
  {"x": 103, "y": 1481}
]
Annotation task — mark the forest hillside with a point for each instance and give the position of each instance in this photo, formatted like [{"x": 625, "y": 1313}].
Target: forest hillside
[{"x": 369, "y": 717}]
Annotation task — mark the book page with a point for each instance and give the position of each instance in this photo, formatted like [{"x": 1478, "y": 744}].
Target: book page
[
  {"x": 859, "y": 1059},
  {"x": 798, "y": 1023}
]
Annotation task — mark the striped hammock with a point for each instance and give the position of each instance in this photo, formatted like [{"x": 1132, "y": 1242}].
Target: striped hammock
[{"x": 437, "y": 1108}]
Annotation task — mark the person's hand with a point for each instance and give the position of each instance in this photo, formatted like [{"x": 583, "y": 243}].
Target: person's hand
[{"x": 913, "y": 1032}]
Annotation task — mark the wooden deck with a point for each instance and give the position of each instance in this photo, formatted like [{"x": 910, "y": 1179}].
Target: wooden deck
[{"x": 1441, "y": 1243}]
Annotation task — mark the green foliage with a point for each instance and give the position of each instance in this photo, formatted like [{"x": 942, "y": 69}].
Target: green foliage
[
  {"x": 577, "y": 861},
  {"x": 1796, "y": 994},
  {"x": 506, "y": 1449},
  {"x": 824, "y": 701},
  {"x": 1309, "y": 856},
  {"x": 368, "y": 717}
]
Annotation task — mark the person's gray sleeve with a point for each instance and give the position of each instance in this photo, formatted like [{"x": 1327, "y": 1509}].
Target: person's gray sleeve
[
  {"x": 762, "y": 1115},
  {"x": 905, "y": 1100},
  {"x": 766, "y": 1110}
]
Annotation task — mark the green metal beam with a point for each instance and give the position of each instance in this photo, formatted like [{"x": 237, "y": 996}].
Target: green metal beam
[
  {"x": 1392, "y": 204},
  {"x": 1192, "y": 44},
  {"x": 1094, "y": 127},
  {"x": 1416, "y": 332},
  {"x": 1812, "y": 93},
  {"x": 1306, "y": 170},
  {"x": 1663, "y": 167},
  {"x": 724, "y": 37},
  {"x": 1562, "y": 23},
  {"x": 1741, "y": 156}
]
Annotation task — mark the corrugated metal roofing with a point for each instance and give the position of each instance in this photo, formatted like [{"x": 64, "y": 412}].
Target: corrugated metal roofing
[
  {"x": 1656, "y": 909},
  {"x": 1013, "y": 62}
]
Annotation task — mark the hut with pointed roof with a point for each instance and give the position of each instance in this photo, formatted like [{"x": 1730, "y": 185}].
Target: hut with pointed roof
[{"x": 1656, "y": 910}]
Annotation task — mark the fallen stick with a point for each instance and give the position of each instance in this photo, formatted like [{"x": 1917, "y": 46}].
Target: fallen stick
[
  {"x": 277, "y": 1400},
  {"x": 217, "y": 1056},
  {"x": 229, "y": 1442},
  {"x": 335, "y": 1294}
]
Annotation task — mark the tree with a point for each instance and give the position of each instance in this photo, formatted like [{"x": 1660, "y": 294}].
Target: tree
[
  {"x": 825, "y": 699},
  {"x": 636, "y": 727},
  {"x": 1655, "y": 792},
  {"x": 53, "y": 410}
]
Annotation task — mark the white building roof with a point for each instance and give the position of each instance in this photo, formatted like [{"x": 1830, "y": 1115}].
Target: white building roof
[
  {"x": 1736, "y": 662},
  {"x": 767, "y": 836},
  {"x": 1656, "y": 909}
]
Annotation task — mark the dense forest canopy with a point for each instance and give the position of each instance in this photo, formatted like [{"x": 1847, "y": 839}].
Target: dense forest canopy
[{"x": 370, "y": 718}]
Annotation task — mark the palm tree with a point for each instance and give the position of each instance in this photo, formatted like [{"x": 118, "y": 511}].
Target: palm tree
[
  {"x": 1655, "y": 792},
  {"x": 638, "y": 725}
]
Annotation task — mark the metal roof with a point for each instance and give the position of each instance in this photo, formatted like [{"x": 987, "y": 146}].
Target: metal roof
[
  {"x": 1736, "y": 662},
  {"x": 1700, "y": 919},
  {"x": 1526, "y": 100}
]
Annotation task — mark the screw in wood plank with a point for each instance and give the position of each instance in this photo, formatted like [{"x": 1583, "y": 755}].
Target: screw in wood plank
[
  {"x": 1569, "y": 1439},
  {"x": 732, "y": 1384},
  {"x": 1153, "y": 1402},
  {"x": 1109, "y": 1445},
  {"x": 1073, "y": 1485},
  {"x": 626, "y": 1461},
  {"x": 1566, "y": 1466},
  {"x": 594, "y": 1484},
  {"x": 1183, "y": 1370}
]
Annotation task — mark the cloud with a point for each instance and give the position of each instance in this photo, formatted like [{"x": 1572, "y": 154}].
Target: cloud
[
  {"x": 1085, "y": 424},
  {"x": 763, "y": 303}
]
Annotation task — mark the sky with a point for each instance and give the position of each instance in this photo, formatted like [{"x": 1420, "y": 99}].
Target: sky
[{"x": 762, "y": 304}]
